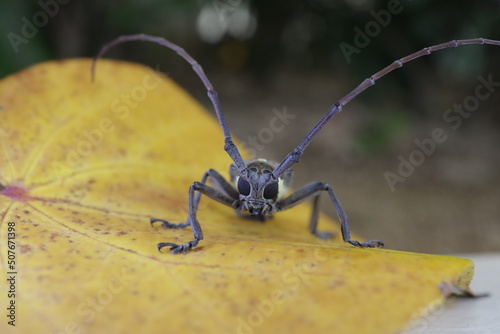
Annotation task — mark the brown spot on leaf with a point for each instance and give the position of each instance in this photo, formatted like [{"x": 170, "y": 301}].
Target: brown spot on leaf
[{"x": 24, "y": 249}]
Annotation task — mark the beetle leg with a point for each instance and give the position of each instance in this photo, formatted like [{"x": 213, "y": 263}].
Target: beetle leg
[
  {"x": 222, "y": 193},
  {"x": 314, "y": 189}
]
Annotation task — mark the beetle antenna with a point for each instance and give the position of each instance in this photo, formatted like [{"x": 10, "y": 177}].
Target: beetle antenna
[
  {"x": 229, "y": 145},
  {"x": 293, "y": 157}
]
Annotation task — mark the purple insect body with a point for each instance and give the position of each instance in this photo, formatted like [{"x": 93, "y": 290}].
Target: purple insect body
[{"x": 258, "y": 186}]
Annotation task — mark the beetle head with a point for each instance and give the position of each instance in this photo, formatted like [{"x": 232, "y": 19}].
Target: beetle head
[{"x": 258, "y": 187}]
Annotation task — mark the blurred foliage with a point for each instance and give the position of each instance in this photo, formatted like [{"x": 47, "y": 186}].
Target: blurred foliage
[
  {"x": 381, "y": 132},
  {"x": 302, "y": 35}
]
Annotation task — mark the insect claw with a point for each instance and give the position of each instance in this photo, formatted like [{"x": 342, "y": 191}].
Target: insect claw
[
  {"x": 166, "y": 244},
  {"x": 166, "y": 224},
  {"x": 368, "y": 244},
  {"x": 377, "y": 243},
  {"x": 153, "y": 220},
  {"x": 176, "y": 249}
]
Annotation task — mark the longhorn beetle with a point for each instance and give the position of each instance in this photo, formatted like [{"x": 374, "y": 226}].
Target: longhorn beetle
[{"x": 258, "y": 186}]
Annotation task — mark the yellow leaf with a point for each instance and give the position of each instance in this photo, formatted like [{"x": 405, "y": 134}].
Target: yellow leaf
[{"x": 84, "y": 166}]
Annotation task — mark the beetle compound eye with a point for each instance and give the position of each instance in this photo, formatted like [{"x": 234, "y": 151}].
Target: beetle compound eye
[
  {"x": 271, "y": 191},
  {"x": 243, "y": 187}
]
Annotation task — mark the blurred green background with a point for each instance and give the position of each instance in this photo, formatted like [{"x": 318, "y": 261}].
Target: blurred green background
[{"x": 265, "y": 55}]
